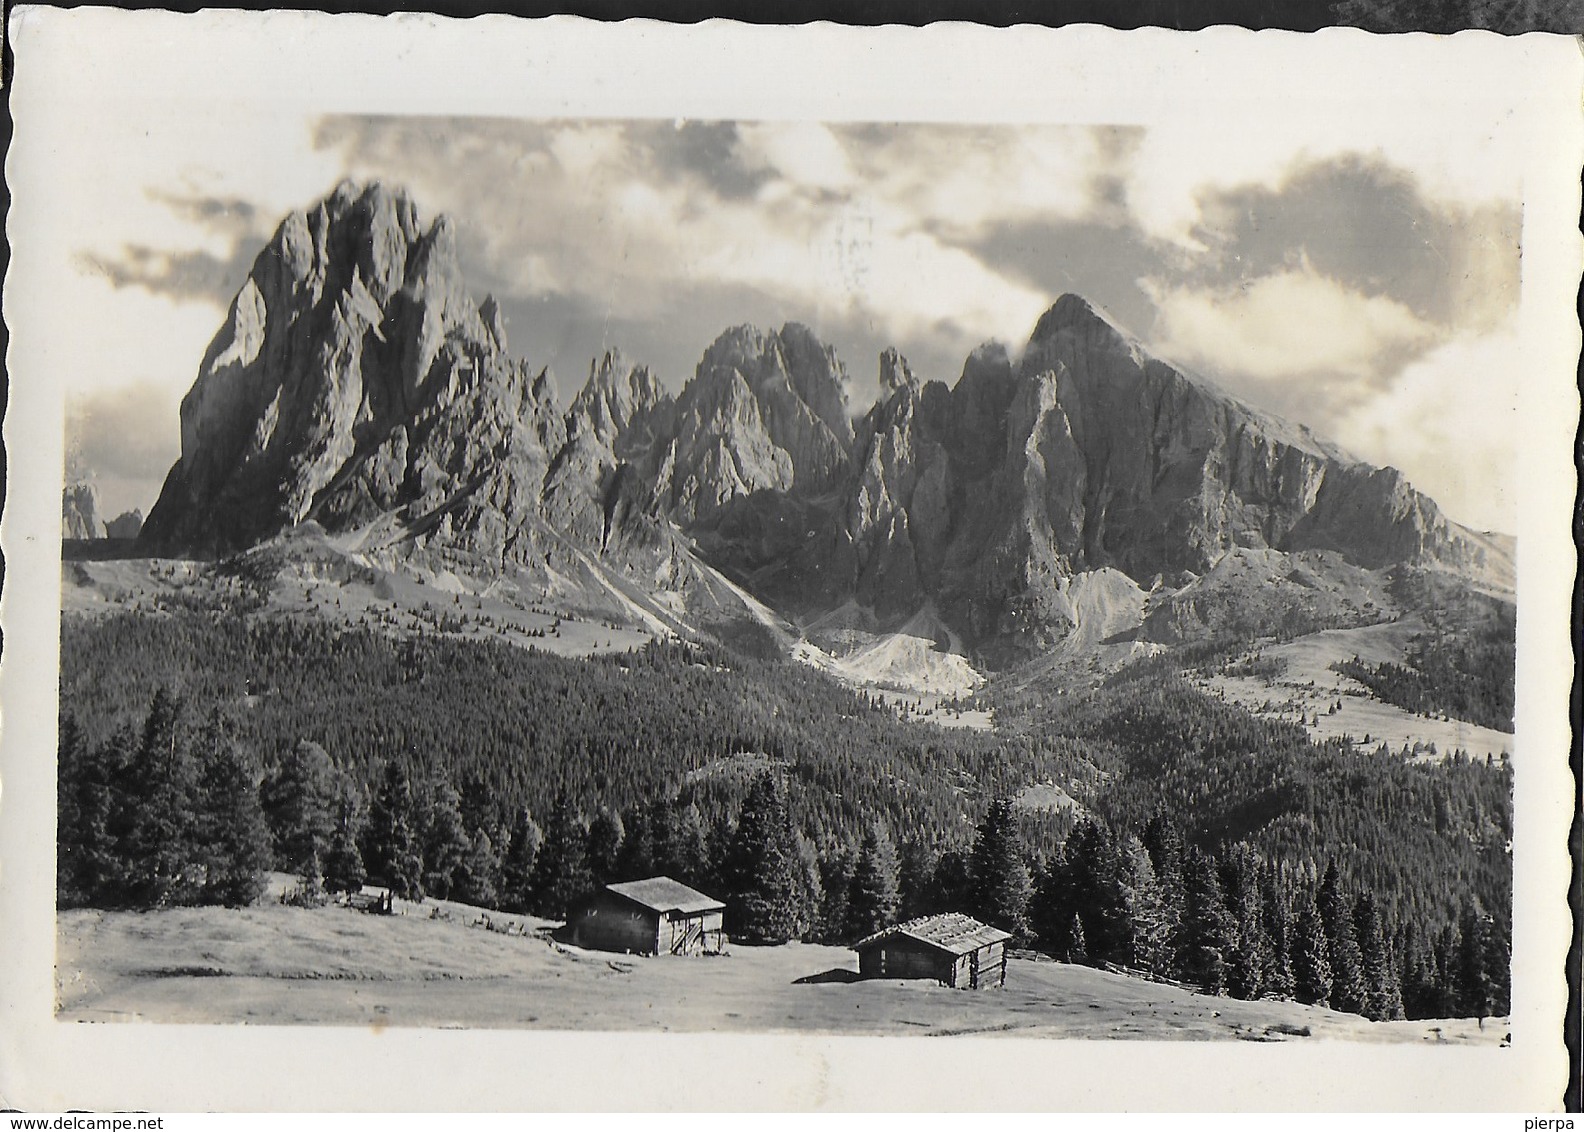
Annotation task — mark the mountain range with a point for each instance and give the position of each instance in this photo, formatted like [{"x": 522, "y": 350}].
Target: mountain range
[{"x": 1079, "y": 494}]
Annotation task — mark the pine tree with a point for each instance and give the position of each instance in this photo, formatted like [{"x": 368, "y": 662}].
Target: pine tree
[
  {"x": 1277, "y": 918},
  {"x": 153, "y": 818},
  {"x": 811, "y": 894},
  {"x": 1000, "y": 886},
  {"x": 1249, "y": 955},
  {"x": 479, "y": 877},
  {"x": 1498, "y": 965},
  {"x": 764, "y": 872},
  {"x": 875, "y": 892},
  {"x": 1077, "y": 942},
  {"x": 517, "y": 864},
  {"x": 1164, "y": 843},
  {"x": 1089, "y": 884},
  {"x": 837, "y": 867},
  {"x": 561, "y": 874},
  {"x": 1342, "y": 949},
  {"x": 1147, "y": 911},
  {"x": 1204, "y": 936},
  {"x": 605, "y": 836},
  {"x": 1311, "y": 965},
  {"x": 688, "y": 855},
  {"x": 89, "y": 869},
  {"x": 444, "y": 840},
  {"x": 298, "y": 801},
  {"x": 915, "y": 878},
  {"x": 231, "y": 837},
  {"x": 636, "y": 860},
  {"x": 343, "y": 862},
  {"x": 1471, "y": 975},
  {"x": 392, "y": 852},
  {"x": 1382, "y": 994}
]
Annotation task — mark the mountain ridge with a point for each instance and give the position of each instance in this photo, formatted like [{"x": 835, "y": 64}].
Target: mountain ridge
[{"x": 355, "y": 381}]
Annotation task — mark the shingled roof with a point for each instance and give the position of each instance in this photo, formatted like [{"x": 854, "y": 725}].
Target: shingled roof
[
  {"x": 951, "y": 932},
  {"x": 662, "y": 894}
]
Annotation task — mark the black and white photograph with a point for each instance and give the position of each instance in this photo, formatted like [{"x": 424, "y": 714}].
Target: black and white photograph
[{"x": 766, "y": 562}]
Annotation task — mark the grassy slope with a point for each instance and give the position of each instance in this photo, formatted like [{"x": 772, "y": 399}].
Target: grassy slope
[
  {"x": 1309, "y": 661},
  {"x": 271, "y": 964}
]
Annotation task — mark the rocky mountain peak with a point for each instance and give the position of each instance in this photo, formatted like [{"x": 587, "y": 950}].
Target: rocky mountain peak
[
  {"x": 895, "y": 373},
  {"x": 355, "y": 382},
  {"x": 354, "y": 319},
  {"x": 80, "y": 511},
  {"x": 616, "y": 394}
]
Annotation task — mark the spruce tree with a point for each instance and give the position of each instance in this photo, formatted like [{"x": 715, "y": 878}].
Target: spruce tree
[
  {"x": 444, "y": 840},
  {"x": 152, "y": 821},
  {"x": 1089, "y": 884},
  {"x": 636, "y": 860},
  {"x": 1164, "y": 843},
  {"x": 1311, "y": 965},
  {"x": 343, "y": 861},
  {"x": 1151, "y": 926},
  {"x": 561, "y": 874},
  {"x": 837, "y": 868},
  {"x": 478, "y": 878},
  {"x": 915, "y": 878},
  {"x": 231, "y": 837},
  {"x": 1342, "y": 949},
  {"x": 517, "y": 863},
  {"x": 392, "y": 852},
  {"x": 88, "y": 867},
  {"x": 951, "y": 885},
  {"x": 605, "y": 836},
  {"x": 875, "y": 893},
  {"x": 688, "y": 857},
  {"x": 1471, "y": 974},
  {"x": 999, "y": 881},
  {"x": 764, "y": 869},
  {"x": 298, "y": 801},
  {"x": 1382, "y": 993},
  {"x": 1248, "y": 958},
  {"x": 1277, "y": 919},
  {"x": 1204, "y": 935}
]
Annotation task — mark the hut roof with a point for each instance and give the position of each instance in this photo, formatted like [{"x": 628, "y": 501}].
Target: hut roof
[
  {"x": 951, "y": 932},
  {"x": 662, "y": 894}
]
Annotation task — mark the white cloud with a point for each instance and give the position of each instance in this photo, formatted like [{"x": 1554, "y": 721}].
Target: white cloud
[
  {"x": 1448, "y": 421},
  {"x": 804, "y": 153},
  {"x": 157, "y": 151},
  {"x": 824, "y": 236},
  {"x": 1457, "y": 158},
  {"x": 1282, "y": 326},
  {"x": 581, "y": 149},
  {"x": 966, "y": 179}
]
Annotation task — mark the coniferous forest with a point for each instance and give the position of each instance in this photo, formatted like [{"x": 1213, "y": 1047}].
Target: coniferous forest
[{"x": 1206, "y": 846}]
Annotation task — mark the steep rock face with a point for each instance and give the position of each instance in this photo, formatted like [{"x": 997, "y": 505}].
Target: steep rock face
[
  {"x": 356, "y": 383},
  {"x": 1170, "y": 474},
  {"x": 125, "y": 525},
  {"x": 898, "y": 508},
  {"x": 764, "y": 412},
  {"x": 80, "y": 511},
  {"x": 1093, "y": 455},
  {"x": 600, "y": 484},
  {"x": 353, "y": 376}
]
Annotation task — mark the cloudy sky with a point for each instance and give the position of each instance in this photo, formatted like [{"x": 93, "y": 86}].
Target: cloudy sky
[{"x": 1361, "y": 280}]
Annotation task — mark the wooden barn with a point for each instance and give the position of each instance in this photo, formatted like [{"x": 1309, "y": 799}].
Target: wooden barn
[
  {"x": 658, "y": 916},
  {"x": 953, "y": 948}
]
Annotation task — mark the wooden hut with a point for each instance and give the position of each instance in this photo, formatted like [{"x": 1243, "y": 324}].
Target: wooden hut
[
  {"x": 953, "y": 948},
  {"x": 657, "y": 916}
]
